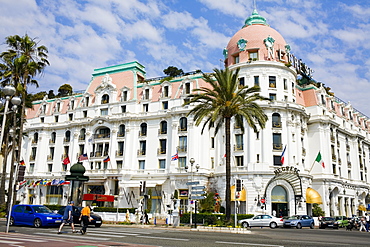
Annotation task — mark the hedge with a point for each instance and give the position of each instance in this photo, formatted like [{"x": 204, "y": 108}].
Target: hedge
[
  {"x": 211, "y": 219},
  {"x": 98, "y": 209}
]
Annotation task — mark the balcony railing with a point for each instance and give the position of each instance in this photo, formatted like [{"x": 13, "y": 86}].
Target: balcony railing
[
  {"x": 161, "y": 151},
  {"x": 182, "y": 149},
  {"x": 50, "y": 157},
  {"x": 333, "y": 157},
  {"x": 66, "y": 139},
  {"x": 348, "y": 147},
  {"x": 119, "y": 153},
  {"x": 82, "y": 137},
  {"x": 238, "y": 147},
  {"x": 120, "y": 134},
  {"x": 34, "y": 141},
  {"x": 142, "y": 133},
  {"x": 51, "y": 141},
  {"x": 276, "y": 124},
  {"x": 349, "y": 164},
  {"x": 182, "y": 129},
  {"x": 32, "y": 157},
  {"x": 332, "y": 138},
  {"x": 101, "y": 136},
  {"x": 162, "y": 132},
  {"x": 303, "y": 152},
  {"x": 277, "y": 146},
  {"x": 141, "y": 152}
]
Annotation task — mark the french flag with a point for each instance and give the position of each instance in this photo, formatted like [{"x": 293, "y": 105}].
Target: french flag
[{"x": 282, "y": 156}]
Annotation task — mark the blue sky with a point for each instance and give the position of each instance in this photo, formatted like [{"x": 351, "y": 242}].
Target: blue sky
[{"x": 331, "y": 37}]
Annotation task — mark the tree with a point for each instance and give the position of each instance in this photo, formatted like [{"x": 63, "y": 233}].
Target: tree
[
  {"x": 223, "y": 100},
  {"x": 24, "y": 60},
  {"x": 173, "y": 71},
  {"x": 51, "y": 94},
  {"x": 65, "y": 90},
  {"x": 38, "y": 96}
]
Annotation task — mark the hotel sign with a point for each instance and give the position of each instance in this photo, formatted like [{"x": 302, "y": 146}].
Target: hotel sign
[{"x": 287, "y": 169}]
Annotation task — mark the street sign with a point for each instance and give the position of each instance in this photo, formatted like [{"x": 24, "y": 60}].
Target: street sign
[
  {"x": 192, "y": 183},
  {"x": 199, "y": 192},
  {"x": 197, "y": 197},
  {"x": 263, "y": 200},
  {"x": 198, "y": 187}
]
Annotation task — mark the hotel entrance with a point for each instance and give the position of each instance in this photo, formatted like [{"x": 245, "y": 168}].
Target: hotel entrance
[{"x": 279, "y": 202}]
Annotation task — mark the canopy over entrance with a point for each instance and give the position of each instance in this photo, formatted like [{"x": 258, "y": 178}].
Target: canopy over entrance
[{"x": 312, "y": 196}]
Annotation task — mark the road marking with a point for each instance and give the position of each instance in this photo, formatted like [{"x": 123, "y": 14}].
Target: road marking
[
  {"x": 120, "y": 231},
  {"x": 299, "y": 241},
  {"x": 10, "y": 242},
  {"x": 115, "y": 233},
  {"x": 236, "y": 243},
  {"x": 175, "y": 239},
  {"x": 29, "y": 240},
  {"x": 74, "y": 236}
]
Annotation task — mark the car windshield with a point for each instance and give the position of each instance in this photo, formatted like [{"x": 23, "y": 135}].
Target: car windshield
[
  {"x": 327, "y": 218},
  {"x": 41, "y": 209},
  {"x": 294, "y": 217}
]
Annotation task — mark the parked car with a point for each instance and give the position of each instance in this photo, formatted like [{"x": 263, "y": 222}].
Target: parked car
[
  {"x": 342, "y": 220},
  {"x": 34, "y": 215},
  {"x": 299, "y": 221},
  {"x": 262, "y": 220},
  {"x": 328, "y": 222},
  {"x": 96, "y": 220}
]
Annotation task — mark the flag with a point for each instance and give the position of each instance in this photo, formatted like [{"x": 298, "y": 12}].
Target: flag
[
  {"x": 319, "y": 160},
  {"x": 106, "y": 159},
  {"x": 66, "y": 161},
  {"x": 22, "y": 163},
  {"x": 175, "y": 156},
  {"x": 83, "y": 157},
  {"x": 282, "y": 157},
  {"x": 65, "y": 182}
]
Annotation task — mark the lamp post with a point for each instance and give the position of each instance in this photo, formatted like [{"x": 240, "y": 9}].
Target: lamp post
[
  {"x": 8, "y": 91},
  {"x": 192, "y": 161},
  {"x": 16, "y": 101}
]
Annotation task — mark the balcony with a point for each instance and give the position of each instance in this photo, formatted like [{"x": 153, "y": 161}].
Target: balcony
[
  {"x": 50, "y": 157},
  {"x": 64, "y": 156},
  {"x": 182, "y": 149},
  {"x": 141, "y": 152},
  {"x": 32, "y": 157},
  {"x": 333, "y": 157},
  {"x": 82, "y": 137},
  {"x": 238, "y": 147},
  {"x": 276, "y": 124},
  {"x": 161, "y": 151},
  {"x": 142, "y": 133},
  {"x": 162, "y": 132},
  {"x": 34, "y": 141},
  {"x": 119, "y": 153},
  {"x": 101, "y": 136},
  {"x": 349, "y": 164},
  {"x": 97, "y": 154},
  {"x": 51, "y": 141},
  {"x": 347, "y": 147},
  {"x": 120, "y": 134},
  {"x": 303, "y": 152},
  {"x": 182, "y": 129},
  {"x": 277, "y": 146},
  {"x": 66, "y": 139},
  {"x": 332, "y": 138}
]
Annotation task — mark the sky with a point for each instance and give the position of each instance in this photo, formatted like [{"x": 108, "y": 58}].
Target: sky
[{"x": 331, "y": 37}]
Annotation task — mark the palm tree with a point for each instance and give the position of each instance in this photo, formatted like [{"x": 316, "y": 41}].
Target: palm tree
[
  {"x": 24, "y": 60},
  {"x": 218, "y": 104}
]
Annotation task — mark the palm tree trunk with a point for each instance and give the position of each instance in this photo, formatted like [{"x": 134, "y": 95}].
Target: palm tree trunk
[
  {"x": 228, "y": 169},
  {"x": 3, "y": 174}
]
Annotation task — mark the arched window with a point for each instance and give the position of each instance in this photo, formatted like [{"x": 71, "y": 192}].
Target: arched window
[
  {"x": 121, "y": 130},
  {"x": 143, "y": 129},
  {"x": 102, "y": 133},
  {"x": 67, "y": 137},
  {"x": 279, "y": 195},
  {"x": 163, "y": 127},
  {"x": 35, "y": 137},
  {"x": 276, "y": 120},
  {"x": 82, "y": 134},
  {"x": 53, "y": 137},
  {"x": 105, "y": 99},
  {"x": 183, "y": 124}
]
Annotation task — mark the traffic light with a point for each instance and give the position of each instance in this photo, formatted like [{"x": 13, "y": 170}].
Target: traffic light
[
  {"x": 21, "y": 170},
  {"x": 238, "y": 185}
]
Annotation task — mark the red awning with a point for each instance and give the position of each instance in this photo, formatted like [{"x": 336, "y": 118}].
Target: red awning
[{"x": 98, "y": 198}]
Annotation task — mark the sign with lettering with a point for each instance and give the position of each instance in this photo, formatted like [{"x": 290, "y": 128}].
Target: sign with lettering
[{"x": 287, "y": 169}]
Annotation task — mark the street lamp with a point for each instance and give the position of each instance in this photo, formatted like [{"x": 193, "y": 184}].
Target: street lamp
[
  {"x": 8, "y": 91},
  {"x": 192, "y": 161}
]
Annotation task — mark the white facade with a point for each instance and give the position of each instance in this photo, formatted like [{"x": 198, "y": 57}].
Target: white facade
[{"x": 139, "y": 124}]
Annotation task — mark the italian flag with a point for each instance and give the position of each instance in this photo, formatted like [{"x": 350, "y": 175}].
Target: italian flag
[{"x": 319, "y": 160}]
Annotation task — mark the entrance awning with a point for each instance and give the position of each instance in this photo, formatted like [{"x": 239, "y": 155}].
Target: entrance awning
[
  {"x": 361, "y": 207},
  {"x": 242, "y": 194},
  {"x": 98, "y": 198},
  {"x": 312, "y": 196}
]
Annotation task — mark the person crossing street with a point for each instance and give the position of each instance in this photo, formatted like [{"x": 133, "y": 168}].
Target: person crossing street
[{"x": 85, "y": 217}]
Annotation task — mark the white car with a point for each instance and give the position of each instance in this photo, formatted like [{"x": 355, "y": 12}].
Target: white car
[{"x": 262, "y": 220}]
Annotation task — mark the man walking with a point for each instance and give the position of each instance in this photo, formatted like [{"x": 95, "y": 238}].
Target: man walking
[
  {"x": 85, "y": 217},
  {"x": 68, "y": 217},
  {"x": 367, "y": 217}
]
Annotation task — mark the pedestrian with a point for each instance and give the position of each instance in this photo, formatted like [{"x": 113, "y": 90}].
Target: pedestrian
[
  {"x": 146, "y": 219},
  {"x": 362, "y": 224},
  {"x": 68, "y": 217},
  {"x": 85, "y": 217},
  {"x": 367, "y": 217}
]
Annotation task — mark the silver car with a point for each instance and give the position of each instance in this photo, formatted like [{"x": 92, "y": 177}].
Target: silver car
[{"x": 262, "y": 220}]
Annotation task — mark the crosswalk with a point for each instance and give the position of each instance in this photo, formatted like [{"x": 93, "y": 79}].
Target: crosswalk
[{"x": 95, "y": 237}]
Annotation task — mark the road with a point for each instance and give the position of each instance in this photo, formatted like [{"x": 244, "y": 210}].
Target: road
[{"x": 109, "y": 235}]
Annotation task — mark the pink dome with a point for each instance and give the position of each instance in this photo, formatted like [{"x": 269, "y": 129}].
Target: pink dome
[{"x": 251, "y": 39}]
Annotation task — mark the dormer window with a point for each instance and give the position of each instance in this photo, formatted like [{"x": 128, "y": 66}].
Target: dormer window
[
  {"x": 253, "y": 55},
  {"x": 72, "y": 106},
  {"x": 57, "y": 107},
  {"x": 105, "y": 99},
  {"x": 187, "y": 88},
  {"x": 87, "y": 101},
  {"x": 124, "y": 95},
  {"x": 165, "y": 91}
]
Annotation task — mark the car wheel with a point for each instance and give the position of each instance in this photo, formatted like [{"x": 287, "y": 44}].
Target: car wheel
[
  {"x": 11, "y": 221},
  {"x": 37, "y": 223},
  {"x": 299, "y": 226},
  {"x": 273, "y": 225},
  {"x": 312, "y": 226},
  {"x": 245, "y": 225},
  {"x": 98, "y": 225}
]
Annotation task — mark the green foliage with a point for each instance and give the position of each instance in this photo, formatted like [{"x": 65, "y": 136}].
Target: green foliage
[
  {"x": 65, "y": 90},
  {"x": 168, "y": 78},
  {"x": 317, "y": 210},
  {"x": 207, "y": 205},
  {"x": 173, "y": 71},
  {"x": 114, "y": 210},
  {"x": 38, "y": 96}
]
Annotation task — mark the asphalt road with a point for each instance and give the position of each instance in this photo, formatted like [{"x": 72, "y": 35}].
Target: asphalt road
[{"x": 109, "y": 235}]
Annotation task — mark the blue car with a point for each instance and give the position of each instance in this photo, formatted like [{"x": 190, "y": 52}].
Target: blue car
[
  {"x": 299, "y": 221},
  {"x": 34, "y": 215}
]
